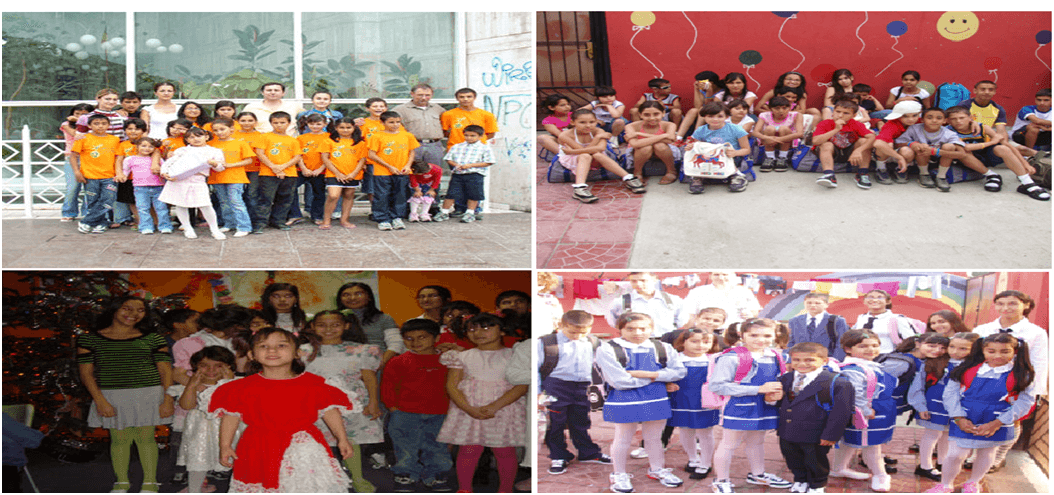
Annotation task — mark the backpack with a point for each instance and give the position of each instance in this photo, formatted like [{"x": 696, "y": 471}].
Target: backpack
[
  {"x": 1042, "y": 164},
  {"x": 950, "y": 94},
  {"x": 551, "y": 354},
  {"x": 827, "y": 403},
  {"x": 918, "y": 326},
  {"x": 623, "y": 358},
  {"x": 971, "y": 373},
  {"x": 904, "y": 380},
  {"x": 715, "y": 401}
]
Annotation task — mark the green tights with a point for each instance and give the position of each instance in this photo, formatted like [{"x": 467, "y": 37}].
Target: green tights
[
  {"x": 354, "y": 464},
  {"x": 121, "y": 453}
]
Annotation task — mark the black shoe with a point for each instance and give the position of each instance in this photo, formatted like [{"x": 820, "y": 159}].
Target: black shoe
[
  {"x": 697, "y": 473},
  {"x": 889, "y": 460},
  {"x": 403, "y": 484},
  {"x": 598, "y": 459},
  {"x": 914, "y": 449},
  {"x": 219, "y": 475},
  {"x": 932, "y": 474},
  {"x": 968, "y": 465},
  {"x": 179, "y": 478}
]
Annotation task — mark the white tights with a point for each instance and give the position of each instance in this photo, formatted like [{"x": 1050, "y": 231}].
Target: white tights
[
  {"x": 755, "y": 451},
  {"x": 872, "y": 457},
  {"x": 705, "y": 437},
  {"x": 651, "y": 431},
  {"x": 931, "y": 439},
  {"x": 1002, "y": 450},
  {"x": 195, "y": 480},
  {"x": 954, "y": 463},
  {"x": 183, "y": 214}
]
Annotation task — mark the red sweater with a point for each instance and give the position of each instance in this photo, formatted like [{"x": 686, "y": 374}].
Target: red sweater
[{"x": 415, "y": 383}]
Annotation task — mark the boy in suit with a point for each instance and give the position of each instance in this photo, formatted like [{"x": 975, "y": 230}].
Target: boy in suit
[
  {"x": 808, "y": 424},
  {"x": 817, "y": 325}
]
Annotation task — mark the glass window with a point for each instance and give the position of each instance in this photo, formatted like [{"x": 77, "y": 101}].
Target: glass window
[{"x": 43, "y": 122}]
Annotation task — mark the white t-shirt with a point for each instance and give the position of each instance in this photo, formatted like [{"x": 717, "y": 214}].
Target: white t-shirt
[
  {"x": 732, "y": 301},
  {"x": 923, "y": 94}
]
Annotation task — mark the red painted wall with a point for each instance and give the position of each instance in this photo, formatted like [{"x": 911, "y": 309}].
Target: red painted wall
[{"x": 1004, "y": 41}]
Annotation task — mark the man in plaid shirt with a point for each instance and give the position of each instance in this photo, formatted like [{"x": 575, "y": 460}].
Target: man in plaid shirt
[{"x": 468, "y": 161}]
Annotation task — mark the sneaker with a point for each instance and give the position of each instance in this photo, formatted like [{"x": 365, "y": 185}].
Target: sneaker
[
  {"x": 941, "y": 488},
  {"x": 403, "y": 484},
  {"x": 98, "y": 229},
  {"x": 439, "y": 485},
  {"x": 881, "y": 482},
  {"x": 635, "y": 185},
  {"x": 225, "y": 229},
  {"x": 828, "y": 180},
  {"x": 441, "y": 216},
  {"x": 943, "y": 185},
  {"x": 799, "y": 487},
  {"x": 932, "y": 474},
  {"x": 850, "y": 474},
  {"x": 722, "y": 486},
  {"x": 782, "y": 165},
  {"x": 768, "y": 165},
  {"x": 882, "y": 176},
  {"x": 620, "y": 482},
  {"x": 284, "y": 227},
  {"x": 696, "y": 186},
  {"x": 580, "y": 193},
  {"x": 899, "y": 177},
  {"x": 219, "y": 236},
  {"x": 768, "y": 479},
  {"x": 241, "y": 233},
  {"x": 598, "y": 459},
  {"x": 558, "y": 466},
  {"x": 926, "y": 180},
  {"x": 166, "y": 231},
  {"x": 397, "y": 224},
  {"x": 385, "y": 226},
  {"x": 863, "y": 181},
  {"x": 468, "y": 217},
  {"x": 666, "y": 477},
  {"x": 83, "y": 228},
  {"x": 378, "y": 461},
  {"x": 190, "y": 234},
  {"x": 258, "y": 230},
  {"x": 146, "y": 232},
  {"x": 738, "y": 183},
  {"x": 817, "y": 490},
  {"x": 639, "y": 453},
  {"x": 971, "y": 488}
]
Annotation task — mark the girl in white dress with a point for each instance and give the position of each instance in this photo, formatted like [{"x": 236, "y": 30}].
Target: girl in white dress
[{"x": 193, "y": 191}]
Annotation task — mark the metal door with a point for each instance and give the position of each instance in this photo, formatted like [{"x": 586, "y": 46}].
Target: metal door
[{"x": 572, "y": 55}]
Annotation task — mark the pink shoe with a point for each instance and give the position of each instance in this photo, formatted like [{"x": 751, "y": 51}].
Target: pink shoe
[
  {"x": 413, "y": 216},
  {"x": 942, "y": 488},
  {"x": 425, "y": 217},
  {"x": 971, "y": 488}
]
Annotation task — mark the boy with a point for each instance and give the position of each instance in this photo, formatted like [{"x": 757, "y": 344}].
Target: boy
[
  {"x": 131, "y": 105},
  {"x": 565, "y": 372},
  {"x": 424, "y": 180},
  {"x": 229, "y": 185},
  {"x": 904, "y": 114},
  {"x": 817, "y": 325},
  {"x": 513, "y": 302},
  {"x": 1032, "y": 126},
  {"x": 716, "y": 131},
  {"x": 413, "y": 387},
  {"x": 646, "y": 297},
  {"x": 660, "y": 91},
  {"x": 468, "y": 161},
  {"x": 984, "y": 148},
  {"x": 390, "y": 181},
  {"x": 454, "y": 122},
  {"x": 928, "y": 142},
  {"x": 986, "y": 111},
  {"x": 844, "y": 139},
  {"x": 93, "y": 159},
  {"x": 808, "y": 425},
  {"x": 608, "y": 110},
  {"x": 279, "y": 159},
  {"x": 868, "y": 102}
]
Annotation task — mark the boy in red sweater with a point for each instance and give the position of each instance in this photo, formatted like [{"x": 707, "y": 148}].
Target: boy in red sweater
[{"x": 413, "y": 387}]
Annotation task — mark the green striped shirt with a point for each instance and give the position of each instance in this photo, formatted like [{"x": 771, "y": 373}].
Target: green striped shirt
[{"x": 127, "y": 363}]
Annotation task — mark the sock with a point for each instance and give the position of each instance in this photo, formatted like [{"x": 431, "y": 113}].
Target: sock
[
  {"x": 756, "y": 451},
  {"x": 194, "y": 481},
  {"x": 506, "y": 460},
  {"x": 1002, "y": 450},
  {"x": 184, "y": 218},
  {"x": 873, "y": 459},
  {"x": 651, "y": 433},
  {"x": 143, "y": 437},
  {"x": 953, "y": 463},
  {"x": 121, "y": 450},
  {"x": 688, "y": 442},
  {"x": 448, "y": 210},
  {"x": 628, "y": 177},
  {"x": 210, "y": 217},
  {"x": 770, "y": 154},
  {"x": 990, "y": 172},
  {"x": 572, "y": 185},
  {"x": 620, "y": 445},
  {"x": 926, "y": 445},
  {"x": 467, "y": 459},
  {"x": 942, "y": 172},
  {"x": 1025, "y": 179},
  {"x": 985, "y": 459}
]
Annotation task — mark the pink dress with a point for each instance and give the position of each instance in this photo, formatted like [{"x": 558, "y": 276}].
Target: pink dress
[
  {"x": 483, "y": 383},
  {"x": 192, "y": 192}
]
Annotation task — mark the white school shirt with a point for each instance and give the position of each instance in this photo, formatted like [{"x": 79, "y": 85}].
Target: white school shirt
[
  {"x": 881, "y": 329},
  {"x": 708, "y": 296},
  {"x": 1036, "y": 338}
]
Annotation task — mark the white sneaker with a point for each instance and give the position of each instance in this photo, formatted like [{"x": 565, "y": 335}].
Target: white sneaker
[
  {"x": 768, "y": 479},
  {"x": 666, "y": 477},
  {"x": 881, "y": 483},
  {"x": 620, "y": 482},
  {"x": 639, "y": 453},
  {"x": 799, "y": 487},
  {"x": 849, "y": 473},
  {"x": 241, "y": 233},
  {"x": 225, "y": 229},
  {"x": 219, "y": 235},
  {"x": 817, "y": 490},
  {"x": 722, "y": 486},
  {"x": 190, "y": 234}
]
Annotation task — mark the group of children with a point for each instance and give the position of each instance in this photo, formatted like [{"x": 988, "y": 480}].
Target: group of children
[
  {"x": 968, "y": 390},
  {"x": 253, "y": 176},
  {"x": 272, "y": 392},
  {"x": 851, "y": 128}
]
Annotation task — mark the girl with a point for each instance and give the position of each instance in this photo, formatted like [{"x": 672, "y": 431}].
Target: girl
[
  {"x": 200, "y": 452},
  {"x": 485, "y": 410},
  {"x": 281, "y": 449},
  {"x": 908, "y": 351},
  {"x": 356, "y": 299},
  {"x": 652, "y": 137},
  {"x": 218, "y": 325},
  {"x": 747, "y": 416},
  {"x": 319, "y": 105},
  {"x": 633, "y": 372},
  {"x": 946, "y": 322},
  {"x": 776, "y": 130},
  {"x": 431, "y": 299},
  {"x": 696, "y": 347},
  {"x": 880, "y": 409},
  {"x": 344, "y": 355},
  {"x": 126, "y": 368},
  {"x": 583, "y": 143},
  {"x": 841, "y": 84},
  {"x": 311, "y": 145},
  {"x": 175, "y": 130},
  {"x": 162, "y": 112},
  {"x": 193, "y": 191},
  {"x": 707, "y": 84},
  {"x": 194, "y": 112},
  {"x": 281, "y": 303},
  {"x": 225, "y": 109},
  {"x": 229, "y": 185},
  {"x": 72, "y": 205},
  {"x": 556, "y": 121},
  {"x": 890, "y": 329},
  {"x": 452, "y": 332},
  {"x": 737, "y": 114},
  {"x": 246, "y": 122},
  {"x": 148, "y": 186},
  {"x": 788, "y": 80},
  {"x": 909, "y": 90},
  {"x": 987, "y": 395},
  {"x": 926, "y": 395},
  {"x": 345, "y": 159},
  {"x": 735, "y": 85}
]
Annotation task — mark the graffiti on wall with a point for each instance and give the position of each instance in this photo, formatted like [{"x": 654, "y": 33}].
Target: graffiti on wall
[
  {"x": 514, "y": 109},
  {"x": 507, "y": 74}
]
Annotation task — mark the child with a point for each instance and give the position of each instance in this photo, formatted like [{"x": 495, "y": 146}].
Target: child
[
  {"x": 748, "y": 414},
  {"x": 131, "y": 106},
  {"x": 634, "y": 369},
  {"x": 225, "y": 109},
  {"x": 175, "y": 130},
  {"x": 609, "y": 110},
  {"x": 93, "y": 161},
  {"x": 73, "y": 205},
  {"x": 660, "y": 92},
  {"x": 651, "y": 137},
  {"x": 565, "y": 383},
  {"x": 583, "y": 143},
  {"x": 195, "y": 113},
  {"x": 880, "y": 320},
  {"x": 134, "y": 129},
  {"x": 148, "y": 186},
  {"x": 697, "y": 348},
  {"x": 868, "y": 102},
  {"x": 909, "y": 90},
  {"x": 809, "y": 428},
  {"x": 985, "y": 110},
  {"x": 344, "y": 155},
  {"x": 344, "y": 355},
  {"x": 817, "y": 325},
  {"x": 485, "y": 411},
  {"x": 513, "y": 302},
  {"x": 1032, "y": 126},
  {"x": 841, "y": 84},
  {"x": 986, "y": 396},
  {"x": 843, "y": 139},
  {"x": 716, "y": 131},
  {"x": 925, "y": 397},
  {"x": 413, "y": 389},
  {"x": 200, "y": 452},
  {"x": 193, "y": 191},
  {"x": 246, "y": 122},
  {"x": 735, "y": 84},
  {"x": 790, "y": 80},
  {"x": 279, "y": 157},
  {"x": 707, "y": 84},
  {"x": 776, "y": 130},
  {"x": 425, "y": 183},
  {"x": 280, "y": 303},
  {"x": 903, "y": 115},
  {"x": 320, "y": 101},
  {"x": 313, "y": 168},
  {"x": 452, "y": 332},
  {"x": 281, "y": 449},
  {"x": 985, "y": 147},
  {"x": 126, "y": 368},
  {"x": 468, "y": 162},
  {"x": 737, "y": 114},
  {"x": 455, "y": 120},
  {"x": 556, "y": 121},
  {"x": 229, "y": 184},
  {"x": 390, "y": 182},
  {"x": 929, "y": 141}
]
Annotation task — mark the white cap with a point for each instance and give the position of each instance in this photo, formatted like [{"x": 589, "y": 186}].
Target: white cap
[{"x": 903, "y": 108}]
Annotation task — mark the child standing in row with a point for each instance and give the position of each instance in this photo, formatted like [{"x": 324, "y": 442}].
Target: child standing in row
[
  {"x": 344, "y": 155},
  {"x": 925, "y": 396},
  {"x": 246, "y": 123},
  {"x": 192, "y": 191},
  {"x": 148, "y": 185},
  {"x": 468, "y": 162},
  {"x": 200, "y": 452},
  {"x": 697, "y": 348},
  {"x": 279, "y": 157},
  {"x": 391, "y": 151},
  {"x": 92, "y": 159},
  {"x": 229, "y": 184},
  {"x": 312, "y": 176}
]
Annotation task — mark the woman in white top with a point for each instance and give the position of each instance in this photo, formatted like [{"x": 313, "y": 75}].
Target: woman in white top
[
  {"x": 723, "y": 292},
  {"x": 877, "y": 320},
  {"x": 161, "y": 113}
]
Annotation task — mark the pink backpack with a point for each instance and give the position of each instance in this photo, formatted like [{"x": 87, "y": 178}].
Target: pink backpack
[
  {"x": 715, "y": 401},
  {"x": 894, "y": 330}
]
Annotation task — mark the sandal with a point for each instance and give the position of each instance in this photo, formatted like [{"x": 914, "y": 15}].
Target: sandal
[
  {"x": 1034, "y": 191},
  {"x": 121, "y": 487},
  {"x": 668, "y": 179},
  {"x": 993, "y": 183}
]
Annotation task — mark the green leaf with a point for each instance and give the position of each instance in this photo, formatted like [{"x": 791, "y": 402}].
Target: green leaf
[
  {"x": 265, "y": 55},
  {"x": 414, "y": 67}
]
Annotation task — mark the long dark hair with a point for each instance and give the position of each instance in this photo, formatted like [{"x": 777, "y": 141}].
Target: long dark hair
[
  {"x": 952, "y": 318},
  {"x": 935, "y": 367},
  {"x": 254, "y": 366},
  {"x": 105, "y": 319},
  {"x": 215, "y": 353},
  {"x": 838, "y": 89},
  {"x": 444, "y": 293},
  {"x": 356, "y": 134},
  {"x": 1022, "y": 370},
  {"x": 202, "y": 119},
  {"x": 227, "y": 318},
  {"x": 370, "y": 312},
  {"x": 299, "y": 317},
  {"x": 353, "y": 333},
  {"x": 467, "y": 310},
  {"x": 730, "y": 77}
]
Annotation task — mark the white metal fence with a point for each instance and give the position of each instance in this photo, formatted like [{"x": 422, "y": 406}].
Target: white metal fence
[{"x": 33, "y": 175}]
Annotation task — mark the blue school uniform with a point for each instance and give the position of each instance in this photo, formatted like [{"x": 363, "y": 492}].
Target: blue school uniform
[
  {"x": 749, "y": 412},
  {"x": 934, "y": 397},
  {"x": 634, "y": 400},
  {"x": 900, "y": 391},
  {"x": 687, "y": 403},
  {"x": 983, "y": 402},
  {"x": 880, "y": 428}
]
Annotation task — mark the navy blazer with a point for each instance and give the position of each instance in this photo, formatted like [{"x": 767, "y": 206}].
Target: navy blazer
[
  {"x": 799, "y": 332},
  {"x": 802, "y": 420}
]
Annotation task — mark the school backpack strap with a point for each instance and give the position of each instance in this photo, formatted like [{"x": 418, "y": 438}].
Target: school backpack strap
[
  {"x": 870, "y": 385},
  {"x": 623, "y": 358},
  {"x": 971, "y": 373},
  {"x": 832, "y": 336},
  {"x": 620, "y": 353},
  {"x": 744, "y": 363},
  {"x": 550, "y": 355},
  {"x": 627, "y": 303},
  {"x": 782, "y": 364},
  {"x": 660, "y": 352}
]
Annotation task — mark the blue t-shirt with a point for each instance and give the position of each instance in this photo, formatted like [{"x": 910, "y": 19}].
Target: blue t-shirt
[{"x": 727, "y": 134}]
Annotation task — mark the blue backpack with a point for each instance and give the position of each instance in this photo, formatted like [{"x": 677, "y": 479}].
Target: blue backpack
[{"x": 950, "y": 94}]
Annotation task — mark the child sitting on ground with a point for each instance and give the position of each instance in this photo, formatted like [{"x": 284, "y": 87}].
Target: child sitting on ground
[
  {"x": 468, "y": 161},
  {"x": 651, "y": 137},
  {"x": 985, "y": 110},
  {"x": 707, "y": 85},
  {"x": 608, "y": 110},
  {"x": 776, "y": 130},
  {"x": 904, "y": 114},
  {"x": 716, "y": 131},
  {"x": 909, "y": 90},
  {"x": 557, "y": 120},
  {"x": 928, "y": 142},
  {"x": 845, "y": 140},
  {"x": 583, "y": 143},
  {"x": 984, "y": 147},
  {"x": 737, "y": 114},
  {"x": 1032, "y": 126},
  {"x": 660, "y": 91}
]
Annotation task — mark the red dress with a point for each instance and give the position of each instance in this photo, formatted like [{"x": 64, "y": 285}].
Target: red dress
[{"x": 281, "y": 450}]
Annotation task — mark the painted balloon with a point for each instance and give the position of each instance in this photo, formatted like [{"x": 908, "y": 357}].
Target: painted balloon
[
  {"x": 993, "y": 63},
  {"x": 896, "y": 28},
  {"x": 1043, "y": 37},
  {"x": 823, "y": 72},
  {"x": 642, "y": 18},
  {"x": 958, "y": 26},
  {"x": 161, "y": 49},
  {"x": 88, "y": 39},
  {"x": 750, "y": 57},
  {"x": 928, "y": 86},
  {"x": 785, "y": 14},
  {"x": 105, "y": 45},
  {"x": 117, "y": 41}
]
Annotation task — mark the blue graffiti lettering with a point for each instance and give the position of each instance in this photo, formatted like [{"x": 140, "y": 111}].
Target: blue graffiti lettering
[
  {"x": 505, "y": 73},
  {"x": 511, "y": 107}
]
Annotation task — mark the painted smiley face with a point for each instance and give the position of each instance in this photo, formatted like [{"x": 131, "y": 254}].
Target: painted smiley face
[{"x": 958, "y": 26}]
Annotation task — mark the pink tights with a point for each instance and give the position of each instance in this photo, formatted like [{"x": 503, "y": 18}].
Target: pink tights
[{"x": 468, "y": 458}]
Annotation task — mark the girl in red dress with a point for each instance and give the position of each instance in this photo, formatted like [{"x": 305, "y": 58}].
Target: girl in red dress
[{"x": 281, "y": 450}]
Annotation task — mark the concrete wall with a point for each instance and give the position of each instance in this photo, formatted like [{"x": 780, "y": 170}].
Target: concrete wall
[{"x": 501, "y": 69}]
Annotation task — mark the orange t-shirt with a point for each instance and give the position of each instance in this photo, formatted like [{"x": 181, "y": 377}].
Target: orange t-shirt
[
  {"x": 370, "y": 127},
  {"x": 344, "y": 155},
  {"x": 394, "y": 149},
  {"x": 254, "y": 140},
  {"x": 233, "y": 151},
  {"x": 309, "y": 149},
  {"x": 170, "y": 144},
  {"x": 127, "y": 148},
  {"x": 98, "y": 155},
  {"x": 279, "y": 148},
  {"x": 457, "y": 119}
]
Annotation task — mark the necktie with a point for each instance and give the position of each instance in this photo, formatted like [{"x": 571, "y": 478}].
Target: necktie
[
  {"x": 798, "y": 382},
  {"x": 1006, "y": 330},
  {"x": 870, "y": 322},
  {"x": 812, "y": 324}
]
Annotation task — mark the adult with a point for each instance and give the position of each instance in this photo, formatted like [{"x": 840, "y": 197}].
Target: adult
[
  {"x": 273, "y": 92},
  {"x": 357, "y": 298},
  {"x": 946, "y": 322},
  {"x": 162, "y": 112},
  {"x": 819, "y": 326},
  {"x": 421, "y": 118},
  {"x": 890, "y": 329},
  {"x": 431, "y": 299},
  {"x": 646, "y": 297},
  {"x": 106, "y": 104},
  {"x": 723, "y": 292}
]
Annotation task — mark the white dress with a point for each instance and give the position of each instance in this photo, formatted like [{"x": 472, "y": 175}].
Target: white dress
[
  {"x": 192, "y": 192},
  {"x": 483, "y": 382},
  {"x": 200, "y": 448},
  {"x": 345, "y": 362}
]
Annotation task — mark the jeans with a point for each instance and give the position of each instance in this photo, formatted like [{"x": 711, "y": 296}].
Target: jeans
[
  {"x": 73, "y": 205},
  {"x": 99, "y": 195},
  {"x": 411, "y": 432},
  {"x": 389, "y": 197},
  {"x": 276, "y": 196},
  {"x": 235, "y": 216},
  {"x": 252, "y": 194},
  {"x": 145, "y": 197},
  {"x": 122, "y": 212},
  {"x": 314, "y": 197}
]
